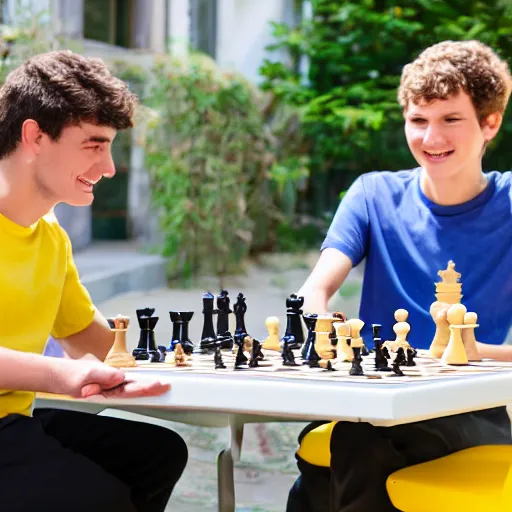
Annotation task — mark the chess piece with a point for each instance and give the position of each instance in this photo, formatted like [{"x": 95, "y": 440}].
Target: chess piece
[
  {"x": 400, "y": 358},
  {"x": 381, "y": 363},
  {"x": 180, "y": 321},
  {"x": 310, "y": 321},
  {"x": 438, "y": 311},
  {"x": 455, "y": 352},
  {"x": 411, "y": 354},
  {"x": 118, "y": 356},
  {"x": 241, "y": 358},
  {"x": 323, "y": 329},
  {"x": 449, "y": 290},
  {"x": 179, "y": 356},
  {"x": 256, "y": 354},
  {"x": 217, "y": 358},
  {"x": 401, "y": 328},
  {"x": 356, "y": 342},
  {"x": 468, "y": 336},
  {"x": 344, "y": 352},
  {"x": 397, "y": 372},
  {"x": 272, "y": 341},
  {"x": 208, "y": 336},
  {"x": 223, "y": 311},
  {"x": 288, "y": 356},
  {"x": 294, "y": 332},
  {"x": 240, "y": 308},
  {"x": 146, "y": 349}
]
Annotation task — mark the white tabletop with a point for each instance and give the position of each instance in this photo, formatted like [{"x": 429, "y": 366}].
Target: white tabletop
[{"x": 213, "y": 399}]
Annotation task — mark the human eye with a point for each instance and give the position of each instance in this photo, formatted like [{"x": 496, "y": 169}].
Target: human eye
[
  {"x": 452, "y": 120},
  {"x": 417, "y": 120}
]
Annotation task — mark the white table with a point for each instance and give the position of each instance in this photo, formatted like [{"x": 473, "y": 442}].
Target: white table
[{"x": 228, "y": 400}]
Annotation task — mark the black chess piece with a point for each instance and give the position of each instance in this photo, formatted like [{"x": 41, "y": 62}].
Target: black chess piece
[
  {"x": 219, "y": 363},
  {"x": 241, "y": 358},
  {"x": 240, "y": 308},
  {"x": 310, "y": 321},
  {"x": 294, "y": 333},
  {"x": 385, "y": 351},
  {"x": 287, "y": 353},
  {"x": 356, "y": 368},
  {"x": 411, "y": 354},
  {"x": 397, "y": 372},
  {"x": 400, "y": 357},
  {"x": 180, "y": 321},
  {"x": 208, "y": 337},
  {"x": 256, "y": 353},
  {"x": 146, "y": 349},
  {"x": 381, "y": 363},
  {"x": 223, "y": 311},
  {"x": 365, "y": 351}
]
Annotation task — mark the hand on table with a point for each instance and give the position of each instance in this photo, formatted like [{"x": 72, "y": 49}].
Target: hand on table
[{"x": 88, "y": 376}]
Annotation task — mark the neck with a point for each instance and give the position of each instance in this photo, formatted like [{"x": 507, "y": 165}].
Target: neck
[
  {"x": 453, "y": 191},
  {"x": 21, "y": 200}
]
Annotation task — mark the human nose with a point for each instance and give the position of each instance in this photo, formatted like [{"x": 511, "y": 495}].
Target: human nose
[
  {"x": 109, "y": 167},
  {"x": 433, "y": 136}
]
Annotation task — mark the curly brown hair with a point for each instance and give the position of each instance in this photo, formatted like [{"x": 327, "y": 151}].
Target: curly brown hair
[
  {"x": 60, "y": 89},
  {"x": 448, "y": 67}
]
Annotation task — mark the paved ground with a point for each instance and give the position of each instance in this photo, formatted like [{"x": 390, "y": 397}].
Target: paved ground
[{"x": 267, "y": 469}]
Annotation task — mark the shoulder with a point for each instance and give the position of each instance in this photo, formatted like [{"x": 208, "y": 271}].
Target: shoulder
[
  {"x": 392, "y": 184},
  {"x": 51, "y": 228},
  {"x": 502, "y": 180}
]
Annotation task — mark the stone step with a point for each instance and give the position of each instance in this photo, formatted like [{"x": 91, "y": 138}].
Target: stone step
[{"x": 108, "y": 269}]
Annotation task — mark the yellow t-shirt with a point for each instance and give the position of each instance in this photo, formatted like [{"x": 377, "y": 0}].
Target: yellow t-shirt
[{"x": 40, "y": 294}]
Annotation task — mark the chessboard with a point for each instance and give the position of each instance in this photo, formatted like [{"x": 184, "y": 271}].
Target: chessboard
[{"x": 426, "y": 369}]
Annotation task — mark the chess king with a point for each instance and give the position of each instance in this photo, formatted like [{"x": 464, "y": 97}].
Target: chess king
[
  {"x": 406, "y": 225},
  {"x": 59, "y": 114}
]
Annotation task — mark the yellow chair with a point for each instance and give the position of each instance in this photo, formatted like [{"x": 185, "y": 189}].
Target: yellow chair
[
  {"x": 475, "y": 479},
  {"x": 315, "y": 446}
]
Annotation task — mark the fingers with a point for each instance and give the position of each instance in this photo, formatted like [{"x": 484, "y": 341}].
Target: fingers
[
  {"x": 90, "y": 390},
  {"x": 135, "y": 389}
]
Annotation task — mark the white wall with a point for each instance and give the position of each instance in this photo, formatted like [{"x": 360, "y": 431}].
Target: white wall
[{"x": 244, "y": 32}]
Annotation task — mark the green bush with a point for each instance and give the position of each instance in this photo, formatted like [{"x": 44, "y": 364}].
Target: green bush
[
  {"x": 356, "y": 51},
  {"x": 208, "y": 156}
]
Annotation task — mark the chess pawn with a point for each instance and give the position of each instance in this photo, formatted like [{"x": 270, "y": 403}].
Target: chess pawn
[
  {"x": 468, "y": 336},
  {"x": 179, "y": 356},
  {"x": 344, "y": 352},
  {"x": 438, "y": 312},
  {"x": 401, "y": 328},
  {"x": 355, "y": 326},
  {"x": 455, "y": 352},
  {"x": 118, "y": 356},
  {"x": 272, "y": 341}
]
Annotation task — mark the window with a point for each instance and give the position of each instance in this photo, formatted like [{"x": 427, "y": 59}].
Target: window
[
  {"x": 203, "y": 25},
  {"x": 108, "y": 21}
]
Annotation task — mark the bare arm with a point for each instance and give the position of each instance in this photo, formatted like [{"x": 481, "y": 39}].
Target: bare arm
[
  {"x": 498, "y": 352},
  {"x": 96, "y": 339},
  {"x": 327, "y": 276}
]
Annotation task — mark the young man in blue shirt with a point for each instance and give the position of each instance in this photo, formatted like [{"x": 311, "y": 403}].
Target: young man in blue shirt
[{"x": 407, "y": 225}]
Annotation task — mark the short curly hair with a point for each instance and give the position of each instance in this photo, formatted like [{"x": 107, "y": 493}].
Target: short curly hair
[
  {"x": 60, "y": 89},
  {"x": 449, "y": 67}
]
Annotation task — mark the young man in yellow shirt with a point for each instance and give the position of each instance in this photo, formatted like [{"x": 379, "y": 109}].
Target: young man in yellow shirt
[{"x": 59, "y": 113}]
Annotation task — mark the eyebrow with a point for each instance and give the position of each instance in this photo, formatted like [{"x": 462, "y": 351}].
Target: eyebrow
[
  {"x": 96, "y": 138},
  {"x": 419, "y": 114}
]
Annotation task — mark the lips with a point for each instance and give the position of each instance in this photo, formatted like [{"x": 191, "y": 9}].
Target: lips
[
  {"x": 438, "y": 155},
  {"x": 85, "y": 181}
]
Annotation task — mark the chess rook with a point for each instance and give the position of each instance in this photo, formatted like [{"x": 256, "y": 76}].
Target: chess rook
[
  {"x": 294, "y": 333},
  {"x": 146, "y": 349},
  {"x": 118, "y": 356}
]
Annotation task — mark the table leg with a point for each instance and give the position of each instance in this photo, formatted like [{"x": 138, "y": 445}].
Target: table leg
[{"x": 225, "y": 467}]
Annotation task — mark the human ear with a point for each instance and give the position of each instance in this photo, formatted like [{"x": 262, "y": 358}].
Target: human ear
[
  {"x": 31, "y": 136},
  {"x": 491, "y": 125}
]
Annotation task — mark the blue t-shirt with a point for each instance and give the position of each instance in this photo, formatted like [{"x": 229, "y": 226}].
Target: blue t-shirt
[{"x": 406, "y": 239}]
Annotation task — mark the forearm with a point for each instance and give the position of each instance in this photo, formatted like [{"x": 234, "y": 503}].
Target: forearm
[
  {"x": 315, "y": 300},
  {"x": 498, "y": 352},
  {"x": 27, "y": 372}
]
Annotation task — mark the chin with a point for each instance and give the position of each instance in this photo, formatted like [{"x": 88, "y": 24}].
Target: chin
[{"x": 86, "y": 200}]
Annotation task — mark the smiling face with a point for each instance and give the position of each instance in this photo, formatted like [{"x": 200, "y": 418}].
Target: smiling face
[
  {"x": 446, "y": 137},
  {"x": 67, "y": 169}
]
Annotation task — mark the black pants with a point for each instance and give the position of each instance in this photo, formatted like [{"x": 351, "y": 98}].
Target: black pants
[
  {"x": 363, "y": 456},
  {"x": 63, "y": 461}
]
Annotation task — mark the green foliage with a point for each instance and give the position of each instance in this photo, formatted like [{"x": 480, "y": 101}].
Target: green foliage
[
  {"x": 356, "y": 51},
  {"x": 208, "y": 158}
]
